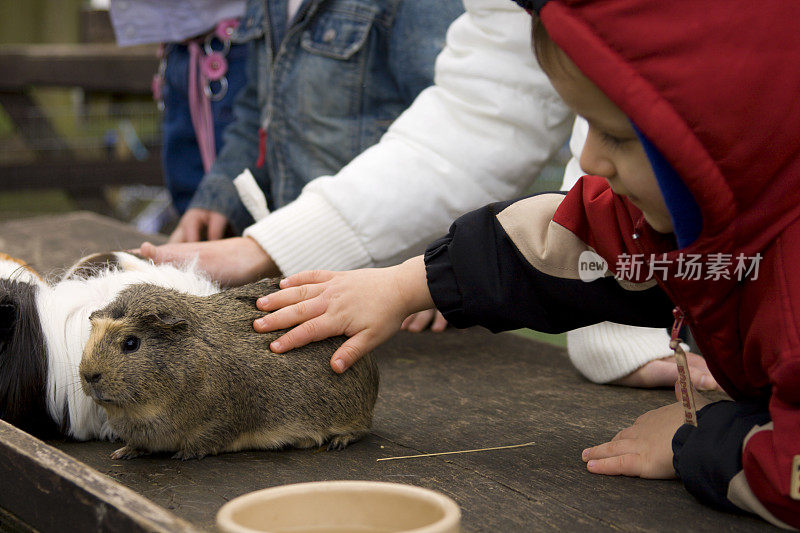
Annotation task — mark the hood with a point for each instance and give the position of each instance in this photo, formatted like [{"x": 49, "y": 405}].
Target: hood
[{"x": 712, "y": 87}]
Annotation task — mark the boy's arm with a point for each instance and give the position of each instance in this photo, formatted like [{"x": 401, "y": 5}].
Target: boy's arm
[
  {"x": 708, "y": 458},
  {"x": 505, "y": 266},
  {"x": 744, "y": 456},
  {"x": 481, "y": 134},
  {"x": 509, "y": 265}
]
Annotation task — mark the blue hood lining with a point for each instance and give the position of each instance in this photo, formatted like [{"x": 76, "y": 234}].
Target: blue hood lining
[{"x": 687, "y": 220}]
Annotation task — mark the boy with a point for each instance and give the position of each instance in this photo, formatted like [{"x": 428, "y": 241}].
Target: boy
[{"x": 692, "y": 203}]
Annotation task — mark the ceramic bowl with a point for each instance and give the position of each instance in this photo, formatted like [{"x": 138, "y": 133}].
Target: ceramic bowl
[{"x": 341, "y": 507}]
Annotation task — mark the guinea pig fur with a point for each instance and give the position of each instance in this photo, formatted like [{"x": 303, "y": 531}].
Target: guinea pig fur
[
  {"x": 189, "y": 374},
  {"x": 23, "y": 363},
  {"x": 44, "y": 328}
]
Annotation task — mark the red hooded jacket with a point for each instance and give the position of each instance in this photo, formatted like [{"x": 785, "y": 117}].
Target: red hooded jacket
[{"x": 712, "y": 86}]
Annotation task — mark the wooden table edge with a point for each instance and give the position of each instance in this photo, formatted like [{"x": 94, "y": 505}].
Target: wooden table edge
[{"x": 50, "y": 491}]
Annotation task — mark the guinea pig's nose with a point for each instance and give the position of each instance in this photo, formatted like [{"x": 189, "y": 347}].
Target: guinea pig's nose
[{"x": 92, "y": 378}]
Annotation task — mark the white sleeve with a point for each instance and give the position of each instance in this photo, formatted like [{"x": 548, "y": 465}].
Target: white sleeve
[
  {"x": 481, "y": 133},
  {"x": 607, "y": 351}
]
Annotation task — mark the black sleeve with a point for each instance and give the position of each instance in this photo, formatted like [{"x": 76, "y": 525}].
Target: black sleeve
[
  {"x": 708, "y": 456},
  {"x": 477, "y": 276}
]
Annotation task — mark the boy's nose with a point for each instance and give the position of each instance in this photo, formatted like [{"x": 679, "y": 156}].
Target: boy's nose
[{"x": 593, "y": 159}]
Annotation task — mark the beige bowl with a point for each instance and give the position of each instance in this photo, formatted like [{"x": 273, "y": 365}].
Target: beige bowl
[{"x": 341, "y": 507}]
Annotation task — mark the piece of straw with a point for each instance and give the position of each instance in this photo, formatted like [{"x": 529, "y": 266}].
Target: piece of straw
[{"x": 459, "y": 451}]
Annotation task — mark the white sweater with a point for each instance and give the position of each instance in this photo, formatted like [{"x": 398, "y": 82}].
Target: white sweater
[{"x": 480, "y": 134}]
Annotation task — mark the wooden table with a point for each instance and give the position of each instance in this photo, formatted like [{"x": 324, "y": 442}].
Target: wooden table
[{"x": 439, "y": 392}]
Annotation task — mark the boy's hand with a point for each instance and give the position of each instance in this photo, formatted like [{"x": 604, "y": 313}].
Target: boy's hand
[
  {"x": 366, "y": 305},
  {"x": 645, "y": 448}
]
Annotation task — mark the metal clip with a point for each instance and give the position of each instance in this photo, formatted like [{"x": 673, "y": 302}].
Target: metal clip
[{"x": 219, "y": 95}]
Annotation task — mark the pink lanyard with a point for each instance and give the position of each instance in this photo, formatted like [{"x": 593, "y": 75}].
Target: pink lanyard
[
  {"x": 206, "y": 66},
  {"x": 200, "y": 107}
]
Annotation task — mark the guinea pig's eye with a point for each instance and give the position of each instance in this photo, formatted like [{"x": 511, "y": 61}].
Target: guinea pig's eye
[{"x": 130, "y": 344}]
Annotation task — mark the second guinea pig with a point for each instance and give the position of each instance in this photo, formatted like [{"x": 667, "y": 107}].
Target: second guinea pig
[{"x": 189, "y": 374}]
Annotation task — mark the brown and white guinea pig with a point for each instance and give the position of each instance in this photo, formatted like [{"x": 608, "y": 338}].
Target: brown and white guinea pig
[
  {"x": 44, "y": 327},
  {"x": 190, "y": 375}
]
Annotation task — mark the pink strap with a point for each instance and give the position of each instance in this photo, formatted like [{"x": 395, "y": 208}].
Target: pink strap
[{"x": 200, "y": 107}]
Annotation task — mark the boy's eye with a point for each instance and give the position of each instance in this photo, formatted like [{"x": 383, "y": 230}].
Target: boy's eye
[
  {"x": 611, "y": 140},
  {"x": 130, "y": 344}
]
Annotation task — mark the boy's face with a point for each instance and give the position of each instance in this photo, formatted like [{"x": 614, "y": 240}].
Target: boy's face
[{"x": 612, "y": 149}]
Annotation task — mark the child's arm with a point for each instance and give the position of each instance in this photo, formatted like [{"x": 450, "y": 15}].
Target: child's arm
[
  {"x": 487, "y": 271},
  {"x": 510, "y": 265},
  {"x": 733, "y": 460},
  {"x": 367, "y": 305}
]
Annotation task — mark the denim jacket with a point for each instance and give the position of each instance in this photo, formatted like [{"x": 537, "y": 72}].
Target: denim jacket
[{"x": 323, "y": 88}]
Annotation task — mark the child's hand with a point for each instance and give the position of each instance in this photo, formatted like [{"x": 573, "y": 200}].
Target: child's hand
[
  {"x": 645, "y": 448},
  {"x": 231, "y": 262},
  {"x": 419, "y": 321},
  {"x": 367, "y": 305},
  {"x": 663, "y": 373}
]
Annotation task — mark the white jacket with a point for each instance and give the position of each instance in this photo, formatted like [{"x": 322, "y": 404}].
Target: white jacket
[{"x": 480, "y": 134}]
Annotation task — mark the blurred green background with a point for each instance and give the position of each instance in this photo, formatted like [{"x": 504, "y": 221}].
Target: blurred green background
[{"x": 36, "y": 21}]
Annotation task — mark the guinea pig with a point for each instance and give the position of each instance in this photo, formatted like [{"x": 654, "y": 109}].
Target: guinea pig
[
  {"x": 44, "y": 327},
  {"x": 189, "y": 374}
]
